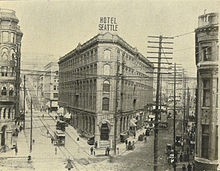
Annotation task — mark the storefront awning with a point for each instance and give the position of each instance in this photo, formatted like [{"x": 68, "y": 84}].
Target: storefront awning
[
  {"x": 60, "y": 110},
  {"x": 67, "y": 115},
  {"x": 54, "y": 104},
  {"x": 132, "y": 123}
]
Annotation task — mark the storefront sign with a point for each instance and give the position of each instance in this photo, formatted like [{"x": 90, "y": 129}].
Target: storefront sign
[{"x": 108, "y": 24}]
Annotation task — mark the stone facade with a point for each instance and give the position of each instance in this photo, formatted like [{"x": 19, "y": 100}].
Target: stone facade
[
  {"x": 49, "y": 82},
  {"x": 87, "y": 86},
  {"x": 207, "y": 96},
  {"x": 10, "y": 44}
]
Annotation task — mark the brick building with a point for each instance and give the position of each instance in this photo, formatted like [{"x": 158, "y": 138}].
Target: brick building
[
  {"x": 88, "y": 86},
  {"x": 207, "y": 95},
  {"x": 10, "y": 44}
]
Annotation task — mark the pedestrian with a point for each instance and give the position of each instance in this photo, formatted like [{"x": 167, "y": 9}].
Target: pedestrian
[
  {"x": 47, "y": 132},
  {"x": 145, "y": 139},
  {"x": 189, "y": 167},
  {"x": 55, "y": 150},
  {"x": 94, "y": 152},
  {"x": 118, "y": 149},
  {"x": 126, "y": 143},
  {"x": 181, "y": 157},
  {"x": 16, "y": 150},
  {"x": 184, "y": 167},
  {"x": 91, "y": 150},
  {"x": 51, "y": 140},
  {"x": 33, "y": 141},
  {"x": 77, "y": 138},
  {"x": 108, "y": 150}
]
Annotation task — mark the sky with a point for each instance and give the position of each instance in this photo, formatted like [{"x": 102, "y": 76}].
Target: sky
[{"x": 53, "y": 28}]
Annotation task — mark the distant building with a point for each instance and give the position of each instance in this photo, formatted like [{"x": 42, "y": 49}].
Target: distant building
[
  {"x": 207, "y": 59},
  {"x": 10, "y": 45},
  {"x": 49, "y": 82},
  {"x": 88, "y": 87}
]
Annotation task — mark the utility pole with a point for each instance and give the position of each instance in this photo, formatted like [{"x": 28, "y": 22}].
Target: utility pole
[
  {"x": 17, "y": 83},
  {"x": 158, "y": 87},
  {"x": 31, "y": 128},
  {"x": 24, "y": 103},
  {"x": 174, "y": 119},
  {"x": 116, "y": 104}
]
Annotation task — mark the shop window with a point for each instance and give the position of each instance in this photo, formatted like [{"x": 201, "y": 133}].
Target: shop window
[
  {"x": 205, "y": 141},
  {"x": 106, "y": 86},
  {"x": 106, "y": 70},
  {"x": 107, "y": 54},
  {"x": 206, "y": 92},
  {"x": 105, "y": 103},
  {"x": 206, "y": 53}
]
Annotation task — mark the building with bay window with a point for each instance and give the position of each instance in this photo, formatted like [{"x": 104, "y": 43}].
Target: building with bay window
[
  {"x": 207, "y": 58},
  {"x": 103, "y": 79},
  {"x": 10, "y": 45}
]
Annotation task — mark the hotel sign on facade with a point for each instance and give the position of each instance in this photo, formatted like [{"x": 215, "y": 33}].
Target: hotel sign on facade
[{"x": 108, "y": 24}]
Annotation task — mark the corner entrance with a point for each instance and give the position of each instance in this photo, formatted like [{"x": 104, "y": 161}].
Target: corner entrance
[{"x": 104, "y": 132}]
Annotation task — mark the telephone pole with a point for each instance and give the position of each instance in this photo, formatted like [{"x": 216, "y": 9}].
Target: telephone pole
[
  {"x": 31, "y": 128},
  {"x": 160, "y": 48},
  {"x": 24, "y": 103},
  {"x": 174, "y": 119},
  {"x": 116, "y": 104}
]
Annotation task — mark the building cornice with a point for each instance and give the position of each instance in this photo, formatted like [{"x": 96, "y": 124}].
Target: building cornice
[{"x": 105, "y": 38}]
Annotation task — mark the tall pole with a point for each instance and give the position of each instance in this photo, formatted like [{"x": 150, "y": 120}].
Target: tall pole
[
  {"x": 174, "y": 119},
  {"x": 157, "y": 112},
  {"x": 157, "y": 105},
  {"x": 31, "y": 128},
  {"x": 116, "y": 105},
  {"x": 24, "y": 102}
]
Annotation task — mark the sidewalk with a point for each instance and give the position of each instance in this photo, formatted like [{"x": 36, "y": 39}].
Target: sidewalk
[
  {"x": 99, "y": 152},
  {"x": 122, "y": 146},
  {"x": 22, "y": 146}
]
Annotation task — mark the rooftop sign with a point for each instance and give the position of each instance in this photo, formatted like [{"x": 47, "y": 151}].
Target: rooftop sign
[{"x": 108, "y": 24}]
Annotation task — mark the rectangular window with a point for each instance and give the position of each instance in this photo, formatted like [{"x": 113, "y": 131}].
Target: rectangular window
[
  {"x": 206, "y": 92},
  {"x": 55, "y": 95},
  {"x": 105, "y": 104},
  {"x": 206, "y": 53},
  {"x": 4, "y": 36},
  {"x": 205, "y": 141},
  {"x": 12, "y": 38}
]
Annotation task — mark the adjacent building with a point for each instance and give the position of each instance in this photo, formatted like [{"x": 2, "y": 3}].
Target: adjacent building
[
  {"x": 48, "y": 86},
  {"x": 207, "y": 48},
  {"x": 10, "y": 45},
  {"x": 102, "y": 81}
]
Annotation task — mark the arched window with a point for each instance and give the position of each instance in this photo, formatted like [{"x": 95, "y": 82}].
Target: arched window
[
  {"x": 106, "y": 70},
  {"x": 107, "y": 54},
  {"x": 105, "y": 103},
  {"x": 4, "y": 91},
  {"x": 12, "y": 54},
  {"x": 4, "y": 54},
  {"x": 106, "y": 86},
  {"x": 11, "y": 92}
]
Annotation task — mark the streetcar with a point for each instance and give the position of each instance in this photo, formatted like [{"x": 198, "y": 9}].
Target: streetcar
[
  {"x": 60, "y": 125},
  {"x": 59, "y": 138}
]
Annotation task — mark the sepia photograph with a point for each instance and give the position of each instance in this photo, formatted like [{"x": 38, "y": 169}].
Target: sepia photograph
[{"x": 109, "y": 85}]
